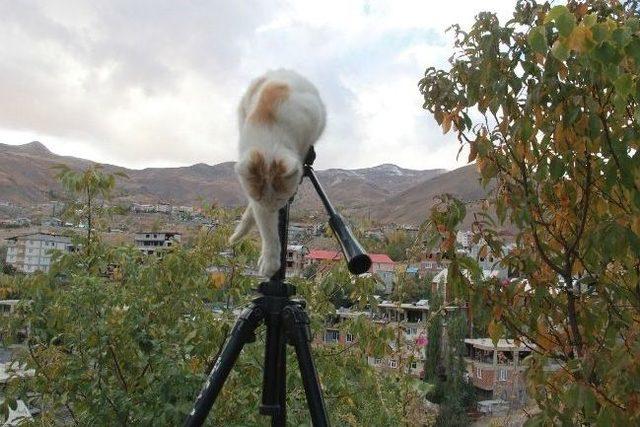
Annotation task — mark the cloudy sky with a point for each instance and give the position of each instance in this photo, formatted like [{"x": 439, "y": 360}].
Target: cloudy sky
[{"x": 156, "y": 83}]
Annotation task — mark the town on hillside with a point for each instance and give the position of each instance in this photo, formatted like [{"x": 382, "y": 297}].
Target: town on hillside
[{"x": 406, "y": 287}]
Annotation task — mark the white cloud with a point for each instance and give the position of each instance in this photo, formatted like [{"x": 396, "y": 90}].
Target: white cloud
[{"x": 155, "y": 83}]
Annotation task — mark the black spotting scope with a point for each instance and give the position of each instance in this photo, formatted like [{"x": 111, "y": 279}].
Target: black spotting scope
[{"x": 358, "y": 261}]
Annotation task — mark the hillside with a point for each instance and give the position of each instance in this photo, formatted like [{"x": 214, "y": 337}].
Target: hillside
[
  {"x": 411, "y": 205},
  {"x": 27, "y": 177}
]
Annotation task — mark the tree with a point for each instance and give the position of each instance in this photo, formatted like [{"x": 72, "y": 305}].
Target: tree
[
  {"x": 128, "y": 339},
  {"x": 547, "y": 104},
  {"x": 88, "y": 186}
]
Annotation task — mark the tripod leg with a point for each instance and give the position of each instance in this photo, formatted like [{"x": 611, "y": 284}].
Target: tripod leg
[
  {"x": 274, "y": 380},
  {"x": 241, "y": 334},
  {"x": 297, "y": 325}
]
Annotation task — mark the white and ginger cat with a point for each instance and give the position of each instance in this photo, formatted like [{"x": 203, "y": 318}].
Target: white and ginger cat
[{"x": 281, "y": 116}]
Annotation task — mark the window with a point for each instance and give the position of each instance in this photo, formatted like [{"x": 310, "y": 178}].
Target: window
[
  {"x": 478, "y": 373},
  {"x": 502, "y": 375},
  {"x": 349, "y": 337},
  {"x": 331, "y": 336},
  {"x": 414, "y": 365},
  {"x": 393, "y": 363},
  {"x": 377, "y": 361}
]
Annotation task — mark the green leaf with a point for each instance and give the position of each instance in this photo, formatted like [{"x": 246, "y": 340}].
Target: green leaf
[
  {"x": 538, "y": 39},
  {"x": 590, "y": 19},
  {"x": 599, "y": 32},
  {"x": 607, "y": 54},
  {"x": 624, "y": 85},
  {"x": 560, "y": 50},
  {"x": 565, "y": 24},
  {"x": 556, "y": 12},
  {"x": 595, "y": 126},
  {"x": 556, "y": 168},
  {"x": 621, "y": 36},
  {"x": 633, "y": 50}
]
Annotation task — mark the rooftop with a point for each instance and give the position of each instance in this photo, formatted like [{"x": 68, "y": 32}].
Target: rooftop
[
  {"x": 381, "y": 259},
  {"x": 502, "y": 345},
  {"x": 321, "y": 254},
  {"x": 40, "y": 235}
]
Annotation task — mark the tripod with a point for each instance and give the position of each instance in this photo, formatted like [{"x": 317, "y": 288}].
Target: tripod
[{"x": 286, "y": 323}]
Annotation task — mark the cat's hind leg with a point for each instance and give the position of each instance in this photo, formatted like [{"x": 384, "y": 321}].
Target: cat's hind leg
[{"x": 246, "y": 222}]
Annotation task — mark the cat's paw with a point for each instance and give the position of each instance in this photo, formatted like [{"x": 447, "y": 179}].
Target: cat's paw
[{"x": 268, "y": 264}]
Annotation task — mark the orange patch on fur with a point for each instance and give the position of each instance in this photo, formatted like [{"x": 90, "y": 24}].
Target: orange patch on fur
[
  {"x": 271, "y": 96},
  {"x": 256, "y": 175},
  {"x": 278, "y": 175},
  {"x": 251, "y": 92}
]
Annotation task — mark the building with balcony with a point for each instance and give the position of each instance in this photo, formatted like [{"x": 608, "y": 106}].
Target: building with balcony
[
  {"x": 150, "y": 242},
  {"x": 406, "y": 350},
  {"x": 497, "y": 371},
  {"x": 29, "y": 253}
]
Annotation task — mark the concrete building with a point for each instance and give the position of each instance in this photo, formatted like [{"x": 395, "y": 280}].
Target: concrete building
[
  {"x": 151, "y": 242},
  {"x": 464, "y": 239},
  {"x": 409, "y": 318},
  {"x": 142, "y": 208},
  {"x": 51, "y": 222},
  {"x": 32, "y": 252},
  {"x": 497, "y": 371},
  {"x": 383, "y": 267},
  {"x": 296, "y": 261}
]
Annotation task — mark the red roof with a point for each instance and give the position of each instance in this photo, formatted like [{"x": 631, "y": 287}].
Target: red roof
[
  {"x": 322, "y": 255},
  {"x": 319, "y": 254},
  {"x": 381, "y": 259}
]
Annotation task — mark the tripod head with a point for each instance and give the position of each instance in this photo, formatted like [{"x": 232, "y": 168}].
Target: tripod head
[{"x": 357, "y": 259}]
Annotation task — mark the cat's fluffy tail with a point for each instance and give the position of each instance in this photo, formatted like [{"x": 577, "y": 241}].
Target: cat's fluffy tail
[{"x": 246, "y": 222}]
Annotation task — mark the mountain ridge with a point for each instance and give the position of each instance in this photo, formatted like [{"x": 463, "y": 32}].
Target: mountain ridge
[{"x": 27, "y": 177}]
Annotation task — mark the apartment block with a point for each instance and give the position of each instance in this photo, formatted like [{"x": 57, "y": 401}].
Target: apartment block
[{"x": 32, "y": 252}]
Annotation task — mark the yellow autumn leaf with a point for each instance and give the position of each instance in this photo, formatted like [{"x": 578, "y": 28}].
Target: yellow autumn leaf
[
  {"x": 580, "y": 38},
  {"x": 446, "y": 123},
  {"x": 217, "y": 279}
]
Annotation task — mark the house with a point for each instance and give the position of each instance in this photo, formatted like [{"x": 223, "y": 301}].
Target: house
[
  {"x": 151, "y": 242},
  {"x": 7, "y": 306},
  {"x": 296, "y": 261},
  {"x": 164, "y": 208},
  {"x": 384, "y": 268},
  {"x": 141, "y": 208},
  {"x": 322, "y": 258},
  {"x": 52, "y": 222},
  {"x": 497, "y": 371},
  {"x": 381, "y": 264},
  {"x": 32, "y": 252}
]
